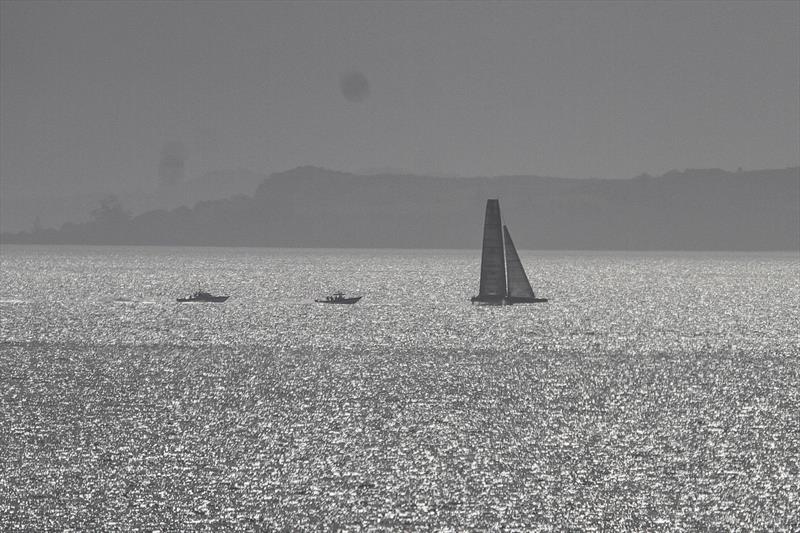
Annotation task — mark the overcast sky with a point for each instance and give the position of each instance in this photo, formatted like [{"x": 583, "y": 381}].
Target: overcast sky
[{"x": 92, "y": 92}]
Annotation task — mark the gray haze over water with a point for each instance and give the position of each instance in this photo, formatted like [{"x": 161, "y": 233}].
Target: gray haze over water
[
  {"x": 699, "y": 209},
  {"x": 94, "y": 95}
]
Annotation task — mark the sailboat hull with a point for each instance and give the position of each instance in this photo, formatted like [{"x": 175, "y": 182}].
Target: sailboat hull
[
  {"x": 505, "y": 300},
  {"x": 516, "y": 300}
]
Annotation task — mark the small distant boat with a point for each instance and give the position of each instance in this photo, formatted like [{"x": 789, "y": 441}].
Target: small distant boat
[
  {"x": 503, "y": 280},
  {"x": 202, "y": 296},
  {"x": 339, "y": 298}
]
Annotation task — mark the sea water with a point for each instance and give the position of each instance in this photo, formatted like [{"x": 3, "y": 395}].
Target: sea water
[{"x": 653, "y": 392}]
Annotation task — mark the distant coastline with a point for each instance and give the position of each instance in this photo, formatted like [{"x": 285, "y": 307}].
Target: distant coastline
[{"x": 310, "y": 207}]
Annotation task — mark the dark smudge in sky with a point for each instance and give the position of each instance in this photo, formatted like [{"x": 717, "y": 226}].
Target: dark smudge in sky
[
  {"x": 355, "y": 87},
  {"x": 172, "y": 164}
]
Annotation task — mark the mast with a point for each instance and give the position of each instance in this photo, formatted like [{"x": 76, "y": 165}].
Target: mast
[
  {"x": 518, "y": 284},
  {"x": 493, "y": 269}
]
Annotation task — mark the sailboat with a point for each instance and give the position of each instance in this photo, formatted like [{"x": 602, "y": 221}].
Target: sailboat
[{"x": 503, "y": 280}]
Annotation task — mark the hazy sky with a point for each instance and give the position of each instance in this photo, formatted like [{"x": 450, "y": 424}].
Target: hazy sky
[{"x": 93, "y": 92}]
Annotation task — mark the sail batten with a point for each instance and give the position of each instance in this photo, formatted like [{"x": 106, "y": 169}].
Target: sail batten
[{"x": 493, "y": 270}]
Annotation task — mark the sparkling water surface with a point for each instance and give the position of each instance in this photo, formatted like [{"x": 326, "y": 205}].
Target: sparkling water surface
[{"x": 653, "y": 392}]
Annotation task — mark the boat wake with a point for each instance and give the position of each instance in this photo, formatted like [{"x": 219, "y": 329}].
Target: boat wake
[{"x": 125, "y": 300}]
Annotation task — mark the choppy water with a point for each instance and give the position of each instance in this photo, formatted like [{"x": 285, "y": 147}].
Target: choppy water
[{"x": 654, "y": 392}]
